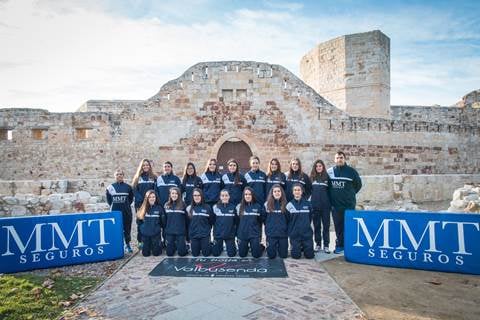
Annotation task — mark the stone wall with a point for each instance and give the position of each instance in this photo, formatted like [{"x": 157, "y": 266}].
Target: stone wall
[
  {"x": 352, "y": 72},
  {"x": 63, "y": 196},
  {"x": 264, "y": 105}
]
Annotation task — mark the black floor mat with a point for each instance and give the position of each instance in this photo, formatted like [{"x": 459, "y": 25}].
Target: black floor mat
[{"x": 221, "y": 268}]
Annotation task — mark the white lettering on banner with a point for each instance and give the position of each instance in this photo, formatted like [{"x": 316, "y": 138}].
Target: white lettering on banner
[
  {"x": 409, "y": 241},
  {"x": 56, "y": 229},
  {"x": 101, "y": 223},
  {"x": 38, "y": 239},
  {"x": 431, "y": 236},
  {"x": 76, "y": 238},
  {"x": 384, "y": 225},
  {"x": 461, "y": 235}
]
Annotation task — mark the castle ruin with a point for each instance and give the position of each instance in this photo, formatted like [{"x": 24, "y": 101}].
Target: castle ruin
[{"x": 239, "y": 108}]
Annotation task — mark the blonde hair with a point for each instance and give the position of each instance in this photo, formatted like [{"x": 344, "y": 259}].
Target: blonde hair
[
  {"x": 139, "y": 172},
  {"x": 145, "y": 205}
]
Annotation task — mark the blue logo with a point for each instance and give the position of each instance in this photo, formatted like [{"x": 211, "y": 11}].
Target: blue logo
[
  {"x": 429, "y": 241},
  {"x": 36, "y": 242}
]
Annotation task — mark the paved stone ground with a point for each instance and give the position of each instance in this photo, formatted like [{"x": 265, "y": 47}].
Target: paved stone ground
[{"x": 308, "y": 293}]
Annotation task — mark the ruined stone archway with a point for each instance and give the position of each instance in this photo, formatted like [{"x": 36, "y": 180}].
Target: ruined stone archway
[{"x": 233, "y": 145}]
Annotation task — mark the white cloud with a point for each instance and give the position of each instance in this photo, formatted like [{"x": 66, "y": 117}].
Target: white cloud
[{"x": 57, "y": 55}]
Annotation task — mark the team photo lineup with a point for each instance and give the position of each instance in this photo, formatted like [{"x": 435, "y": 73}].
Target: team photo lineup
[{"x": 206, "y": 212}]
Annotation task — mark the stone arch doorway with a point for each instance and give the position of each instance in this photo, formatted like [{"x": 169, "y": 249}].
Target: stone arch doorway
[{"x": 237, "y": 149}]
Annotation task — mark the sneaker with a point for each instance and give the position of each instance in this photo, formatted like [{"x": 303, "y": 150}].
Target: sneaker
[
  {"x": 338, "y": 250},
  {"x": 317, "y": 247},
  {"x": 189, "y": 248},
  {"x": 327, "y": 250},
  {"x": 140, "y": 245},
  {"x": 128, "y": 248}
]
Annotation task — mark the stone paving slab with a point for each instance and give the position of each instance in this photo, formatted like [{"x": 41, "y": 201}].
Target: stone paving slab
[{"x": 308, "y": 293}]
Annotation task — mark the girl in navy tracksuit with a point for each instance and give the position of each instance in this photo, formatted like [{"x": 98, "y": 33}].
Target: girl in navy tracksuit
[
  {"x": 274, "y": 175},
  {"x": 234, "y": 181},
  {"x": 251, "y": 216},
  {"x": 226, "y": 221},
  {"x": 150, "y": 216},
  {"x": 201, "y": 219},
  {"x": 321, "y": 206},
  {"x": 296, "y": 175},
  {"x": 175, "y": 223},
  {"x": 190, "y": 181},
  {"x": 212, "y": 183},
  {"x": 143, "y": 181},
  {"x": 257, "y": 179},
  {"x": 276, "y": 223},
  {"x": 166, "y": 181},
  {"x": 299, "y": 224}
]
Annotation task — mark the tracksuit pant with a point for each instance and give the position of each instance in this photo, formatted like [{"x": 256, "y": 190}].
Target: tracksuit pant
[
  {"x": 338, "y": 215},
  {"x": 253, "y": 244},
  {"x": 299, "y": 245},
  {"x": 201, "y": 244},
  {"x": 321, "y": 226},
  {"x": 127, "y": 226},
  {"x": 176, "y": 243},
  {"x": 277, "y": 245},
  {"x": 151, "y": 245},
  {"x": 217, "y": 248}
]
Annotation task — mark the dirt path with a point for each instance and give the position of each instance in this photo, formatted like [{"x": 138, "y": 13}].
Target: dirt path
[{"x": 391, "y": 294}]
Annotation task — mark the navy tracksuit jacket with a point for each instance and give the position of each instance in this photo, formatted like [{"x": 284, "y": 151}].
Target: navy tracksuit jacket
[
  {"x": 164, "y": 183},
  {"x": 249, "y": 229},
  {"x": 300, "y": 228},
  {"x": 234, "y": 189},
  {"x": 276, "y": 230},
  {"x": 200, "y": 222},
  {"x": 190, "y": 183},
  {"x": 257, "y": 180},
  {"x": 224, "y": 229},
  {"x": 212, "y": 185},
  {"x": 303, "y": 179},
  {"x": 199, "y": 229},
  {"x": 120, "y": 197},
  {"x": 275, "y": 178},
  {"x": 175, "y": 229},
  {"x": 151, "y": 229},
  {"x": 226, "y": 221},
  {"x": 144, "y": 184},
  {"x": 343, "y": 187},
  {"x": 321, "y": 206}
]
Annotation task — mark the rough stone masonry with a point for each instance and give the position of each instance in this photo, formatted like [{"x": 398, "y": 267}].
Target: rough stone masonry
[{"x": 268, "y": 110}]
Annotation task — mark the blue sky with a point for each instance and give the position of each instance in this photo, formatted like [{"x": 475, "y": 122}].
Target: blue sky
[{"x": 56, "y": 54}]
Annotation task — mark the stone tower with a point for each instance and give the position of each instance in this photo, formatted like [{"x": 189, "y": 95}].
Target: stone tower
[{"x": 352, "y": 72}]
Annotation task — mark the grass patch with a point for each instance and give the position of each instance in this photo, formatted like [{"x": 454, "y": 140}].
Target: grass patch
[{"x": 28, "y": 296}]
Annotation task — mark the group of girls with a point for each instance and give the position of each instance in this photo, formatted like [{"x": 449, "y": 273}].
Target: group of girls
[{"x": 174, "y": 212}]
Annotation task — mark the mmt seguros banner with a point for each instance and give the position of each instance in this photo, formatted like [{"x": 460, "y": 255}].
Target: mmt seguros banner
[
  {"x": 36, "y": 242},
  {"x": 430, "y": 241}
]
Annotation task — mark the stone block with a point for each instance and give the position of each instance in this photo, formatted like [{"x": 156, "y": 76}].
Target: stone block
[{"x": 17, "y": 211}]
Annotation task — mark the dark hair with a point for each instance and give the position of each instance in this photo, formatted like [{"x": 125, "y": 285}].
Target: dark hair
[
  {"x": 269, "y": 171},
  {"x": 168, "y": 162},
  {"x": 236, "y": 174},
  {"x": 296, "y": 184},
  {"x": 290, "y": 171},
  {"x": 243, "y": 203},
  {"x": 190, "y": 212},
  {"x": 315, "y": 176},
  {"x": 271, "y": 200},
  {"x": 340, "y": 152},
  {"x": 185, "y": 174},
  {"x": 208, "y": 162},
  {"x": 219, "y": 198},
  {"x": 178, "y": 204}
]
